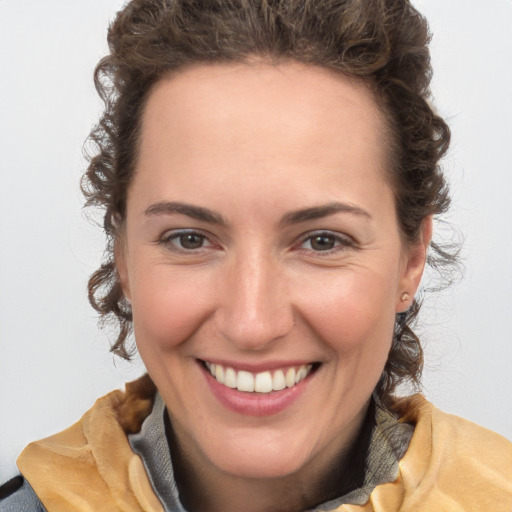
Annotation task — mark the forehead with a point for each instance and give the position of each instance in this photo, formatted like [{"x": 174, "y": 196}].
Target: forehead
[{"x": 260, "y": 121}]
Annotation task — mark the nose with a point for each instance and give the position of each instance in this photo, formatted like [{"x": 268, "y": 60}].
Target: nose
[{"x": 255, "y": 309}]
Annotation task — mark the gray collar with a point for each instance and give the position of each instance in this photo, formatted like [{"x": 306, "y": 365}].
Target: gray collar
[{"x": 152, "y": 447}]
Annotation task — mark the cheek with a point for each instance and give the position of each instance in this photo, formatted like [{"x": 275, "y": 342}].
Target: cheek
[
  {"x": 352, "y": 312},
  {"x": 167, "y": 309}
]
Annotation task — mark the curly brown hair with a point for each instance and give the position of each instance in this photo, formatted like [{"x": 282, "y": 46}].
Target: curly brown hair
[{"x": 383, "y": 43}]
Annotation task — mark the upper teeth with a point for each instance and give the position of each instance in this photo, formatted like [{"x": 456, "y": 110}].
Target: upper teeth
[{"x": 263, "y": 382}]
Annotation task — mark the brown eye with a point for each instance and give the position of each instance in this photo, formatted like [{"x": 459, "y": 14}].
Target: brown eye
[
  {"x": 191, "y": 241},
  {"x": 326, "y": 241},
  {"x": 323, "y": 242},
  {"x": 185, "y": 241}
]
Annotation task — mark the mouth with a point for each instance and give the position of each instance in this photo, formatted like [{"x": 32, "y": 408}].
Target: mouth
[
  {"x": 267, "y": 381},
  {"x": 265, "y": 392}
]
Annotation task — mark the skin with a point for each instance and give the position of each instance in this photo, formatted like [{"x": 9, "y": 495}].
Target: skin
[{"x": 253, "y": 143}]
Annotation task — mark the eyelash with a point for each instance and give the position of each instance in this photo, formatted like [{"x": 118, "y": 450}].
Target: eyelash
[
  {"x": 168, "y": 240},
  {"x": 341, "y": 242}
]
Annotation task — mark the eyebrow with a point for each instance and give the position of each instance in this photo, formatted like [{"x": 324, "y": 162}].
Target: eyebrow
[
  {"x": 195, "y": 212},
  {"x": 294, "y": 217},
  {"x": 319, "y": 212}
]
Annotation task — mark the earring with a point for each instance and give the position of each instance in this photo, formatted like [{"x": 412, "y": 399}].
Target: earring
[{"x": 405, "y": 297}]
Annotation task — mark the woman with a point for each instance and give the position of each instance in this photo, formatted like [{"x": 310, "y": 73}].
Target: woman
[{"x": 269, "y": 173}]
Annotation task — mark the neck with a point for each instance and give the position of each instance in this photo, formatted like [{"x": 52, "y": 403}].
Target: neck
[{"x": 204, "y": 488}]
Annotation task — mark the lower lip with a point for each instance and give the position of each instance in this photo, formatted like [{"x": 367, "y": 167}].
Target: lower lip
[{"x": 255, "y": 404}]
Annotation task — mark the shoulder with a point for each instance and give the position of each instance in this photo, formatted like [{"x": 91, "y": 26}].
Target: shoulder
[
  {"x": 454, "y": 460},
  {"x": 95, "y": 454},
  {"x": 462, "y": 436},
  {"x": 16, "y": 495}
]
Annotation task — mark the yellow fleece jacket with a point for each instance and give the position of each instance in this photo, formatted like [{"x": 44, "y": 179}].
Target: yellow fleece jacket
[{"x": 451, "y": 464}]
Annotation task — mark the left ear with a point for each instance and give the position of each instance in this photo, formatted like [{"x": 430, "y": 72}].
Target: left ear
[{"x": 416, "y": 257}]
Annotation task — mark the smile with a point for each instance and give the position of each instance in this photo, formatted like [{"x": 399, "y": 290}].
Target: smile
[{"x": 263, "y": 382}]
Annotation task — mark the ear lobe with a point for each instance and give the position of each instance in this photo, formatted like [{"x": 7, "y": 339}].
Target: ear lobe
[
  {"x": 122, "y": 271},
  {"x": 415, "y": 265}
]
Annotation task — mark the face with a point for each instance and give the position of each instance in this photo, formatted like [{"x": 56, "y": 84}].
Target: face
[{"x": 261, "y": 245}]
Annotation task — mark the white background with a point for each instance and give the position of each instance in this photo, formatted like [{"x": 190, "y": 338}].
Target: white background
[{"x": 54, "y": 361}]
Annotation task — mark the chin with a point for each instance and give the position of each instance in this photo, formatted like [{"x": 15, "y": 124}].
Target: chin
[
  {"x": 261, "y": 466},
  {"x": 247, "y": 457}
]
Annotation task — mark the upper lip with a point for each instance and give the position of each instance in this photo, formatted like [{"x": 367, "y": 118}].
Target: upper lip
[{"x": 260, "y": 366}]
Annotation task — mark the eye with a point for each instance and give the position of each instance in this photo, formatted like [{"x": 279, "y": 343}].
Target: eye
[
  {"x": 191, "y": 241},
  {"x": 325, "y": 242},
  {"x": 184, "y": 241},
  {"x": 322, "y": 242}
]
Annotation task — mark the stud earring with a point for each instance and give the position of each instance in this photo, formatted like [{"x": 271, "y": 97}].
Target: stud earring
[{"x": 405, "y": 297}]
